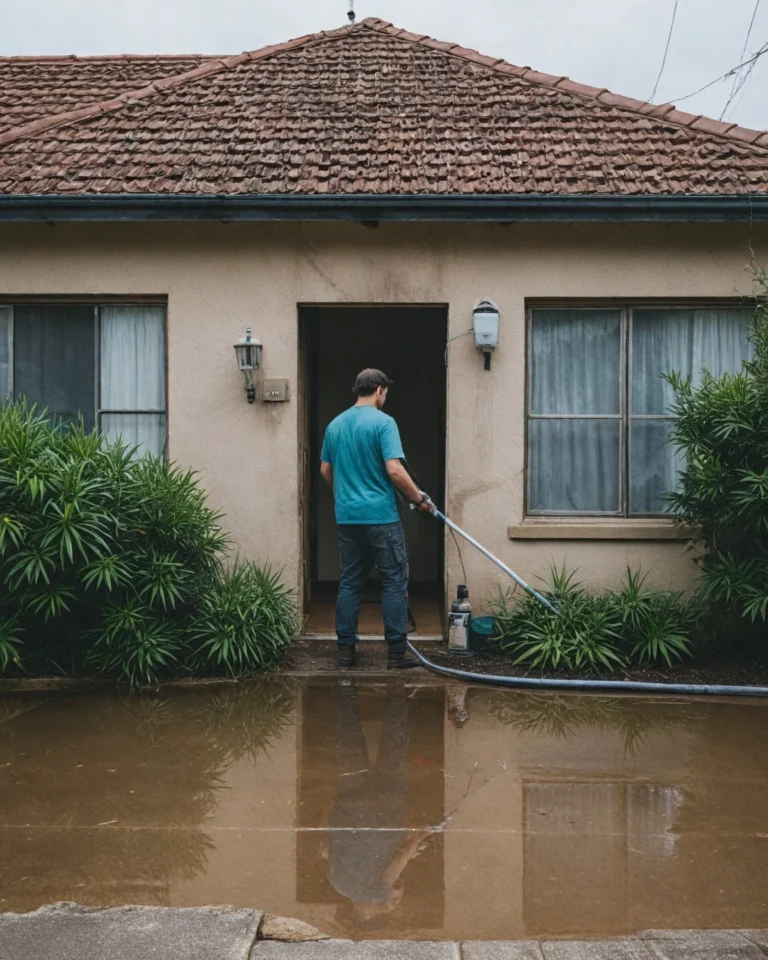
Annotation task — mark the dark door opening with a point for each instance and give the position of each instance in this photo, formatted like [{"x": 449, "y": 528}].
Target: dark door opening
[{"x": 408, "y": 343}]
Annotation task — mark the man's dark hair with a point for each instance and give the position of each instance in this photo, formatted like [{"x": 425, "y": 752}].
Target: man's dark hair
[{"x": 369, "y": 380}]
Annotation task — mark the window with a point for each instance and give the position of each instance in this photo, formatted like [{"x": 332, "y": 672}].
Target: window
[
  {"x": 598, "y": 408},
  {"x": 106, "y": 363}
]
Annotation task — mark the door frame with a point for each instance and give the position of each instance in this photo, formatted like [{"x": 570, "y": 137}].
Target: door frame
[{"x": 308, "y": 320}]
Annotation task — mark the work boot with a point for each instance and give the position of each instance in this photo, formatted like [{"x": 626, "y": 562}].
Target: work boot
[
  {"x": 346, "y": 657},
  {"x": 399, "y": 658}
]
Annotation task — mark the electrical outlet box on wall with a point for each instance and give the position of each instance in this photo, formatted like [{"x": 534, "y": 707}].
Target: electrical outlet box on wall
[{"x": 276, "y": 391}]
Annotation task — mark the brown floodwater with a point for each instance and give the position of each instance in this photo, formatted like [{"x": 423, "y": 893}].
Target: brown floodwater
[{"x": 409, "y": 809}]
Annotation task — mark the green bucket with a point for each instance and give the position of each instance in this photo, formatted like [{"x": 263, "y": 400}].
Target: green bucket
[{"x": 482, "y": 634}]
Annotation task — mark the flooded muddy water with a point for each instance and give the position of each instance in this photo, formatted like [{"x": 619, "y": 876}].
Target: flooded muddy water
[{"x": 403, "y": 809}]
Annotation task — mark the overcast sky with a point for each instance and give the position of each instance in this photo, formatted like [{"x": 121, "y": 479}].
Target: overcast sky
[{"x": 616, "y": 44}]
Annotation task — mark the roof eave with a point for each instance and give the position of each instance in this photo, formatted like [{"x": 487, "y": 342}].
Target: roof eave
[{"x": 441, "y": 208}]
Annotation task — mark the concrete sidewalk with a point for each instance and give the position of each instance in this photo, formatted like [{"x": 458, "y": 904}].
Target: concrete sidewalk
[{"x": 66, "y": 931}]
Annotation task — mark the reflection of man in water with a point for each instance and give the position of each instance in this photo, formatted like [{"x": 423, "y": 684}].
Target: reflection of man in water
[{"x": 369, "y": 847}]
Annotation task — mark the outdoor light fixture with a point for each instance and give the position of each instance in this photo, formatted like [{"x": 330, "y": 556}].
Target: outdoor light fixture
[
  {"x": 248, "y": 352},
  {"x": 485, "y": 323}
]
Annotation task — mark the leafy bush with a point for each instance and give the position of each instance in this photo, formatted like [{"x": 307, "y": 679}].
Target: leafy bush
[
  {"x": 656, "y": 625},
  {"x": 112, "y": 565},
  {"x": 246, "y": 617},
  {"x": 722, "y": 429},
  {"x": 596, "y": 632},
  {"x": 583, "y": 634}
]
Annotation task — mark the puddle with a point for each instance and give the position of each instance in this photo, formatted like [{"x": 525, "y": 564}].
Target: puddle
[{"x": 407, "y": 809}]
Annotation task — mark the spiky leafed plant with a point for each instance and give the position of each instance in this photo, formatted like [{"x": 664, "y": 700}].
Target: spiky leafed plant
[
  {"x": 110, "y": 563},
  {"x": 583, "y": 634},
  {"x": 245, "y": 619},
  {"x": 656, "y": 625}
]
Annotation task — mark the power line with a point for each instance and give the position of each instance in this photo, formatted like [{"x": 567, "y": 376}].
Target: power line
[
  {"x": 749, "y": 30},
  {"x": 743, "y": 89},
  {"x": 742, "y": 85},
  {"x": 753, "y": 59},
  {"x": 738, "y": 81},
  {"x": 666, "y": 51}
]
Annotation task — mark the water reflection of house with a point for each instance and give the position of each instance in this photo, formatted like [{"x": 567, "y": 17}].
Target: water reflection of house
[
  {"x": 564, "y": 815},
  {"x": 531, "y": 815},
  {"x": 628, "y": 814}
]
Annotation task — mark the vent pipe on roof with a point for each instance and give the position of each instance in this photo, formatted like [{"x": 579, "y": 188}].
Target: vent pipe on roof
[{"x": 351, "y": 11}]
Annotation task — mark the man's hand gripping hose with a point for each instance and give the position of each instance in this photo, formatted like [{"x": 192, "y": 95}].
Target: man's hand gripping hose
[{"x": 429, "y": 507}]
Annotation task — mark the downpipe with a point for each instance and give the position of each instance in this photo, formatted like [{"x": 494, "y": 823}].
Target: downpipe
[{"x": 585, "y": 686}]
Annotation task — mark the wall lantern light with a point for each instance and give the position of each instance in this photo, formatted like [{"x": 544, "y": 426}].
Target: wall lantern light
[
  {"x": 248, "y": 352},
  {"x": 485, "y": 323}
]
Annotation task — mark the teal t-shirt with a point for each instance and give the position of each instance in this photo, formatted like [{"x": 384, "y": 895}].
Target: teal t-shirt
[{"x": 356, "y": 445}]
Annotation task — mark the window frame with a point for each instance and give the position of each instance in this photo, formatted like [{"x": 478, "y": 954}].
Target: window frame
[
  {"x": 626, "y": 306},
  {"x": 97, "y": 303}
]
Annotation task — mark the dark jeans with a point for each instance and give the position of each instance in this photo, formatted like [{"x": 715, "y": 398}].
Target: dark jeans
[{"x": 361, "y": 548}]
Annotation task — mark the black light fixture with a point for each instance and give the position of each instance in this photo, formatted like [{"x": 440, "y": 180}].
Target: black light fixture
[{"x": 248, "y": 352}]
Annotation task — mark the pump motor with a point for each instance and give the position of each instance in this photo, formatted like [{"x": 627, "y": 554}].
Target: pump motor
[{"x": 459, "y": 620}]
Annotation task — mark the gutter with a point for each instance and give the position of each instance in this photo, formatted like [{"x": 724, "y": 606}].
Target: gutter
[{"x": 374, "y": 208}]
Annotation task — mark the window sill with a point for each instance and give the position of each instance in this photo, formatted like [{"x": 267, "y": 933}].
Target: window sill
[{"x": 592, "y": 528}]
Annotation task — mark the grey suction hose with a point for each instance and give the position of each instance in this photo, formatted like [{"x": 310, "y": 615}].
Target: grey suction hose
[
  {"x": 487, "y": 553},
  {"x": 587, "y": 686},
  {"x": 592, "y": 686}
]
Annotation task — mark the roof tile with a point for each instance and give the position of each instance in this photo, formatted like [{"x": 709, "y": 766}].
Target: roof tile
[
  {"x": 439, "y": 44},
  {"x": 579, "y": 88},
  {"x": 547, "y": 79},
  {"x": 363, "y": 109},
  {"x": 35, "y": 87}
]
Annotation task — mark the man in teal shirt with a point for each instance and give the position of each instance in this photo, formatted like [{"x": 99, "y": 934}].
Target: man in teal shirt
[{"x": 361, "y": 463}]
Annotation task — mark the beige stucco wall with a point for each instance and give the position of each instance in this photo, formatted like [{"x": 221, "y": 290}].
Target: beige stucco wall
[{"x": 218, "y": 278}]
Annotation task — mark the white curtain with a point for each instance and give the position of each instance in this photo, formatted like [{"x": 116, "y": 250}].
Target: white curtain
[
  {"x": 684, "y": 341},
  {"x": 576, "y": 370},
  {"x": 143, "y": 430},
  {"x": 6, "y": 316},
  {"x": 575, "y": 458},
  {"x": 133, "y": 375}
]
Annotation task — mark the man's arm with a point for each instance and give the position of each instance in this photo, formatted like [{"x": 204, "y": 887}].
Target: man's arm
[
  {"x": 399, "y": 476},
  {"x": 326, "y": 472}
]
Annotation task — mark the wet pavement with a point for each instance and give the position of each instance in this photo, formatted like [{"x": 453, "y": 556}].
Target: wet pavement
[{"x": 391, "y": 809}]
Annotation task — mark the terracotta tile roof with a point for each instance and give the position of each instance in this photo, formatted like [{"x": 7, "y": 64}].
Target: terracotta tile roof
[
  {"x": 373, "y": 109},
  {"x": 36, "y": 87}
]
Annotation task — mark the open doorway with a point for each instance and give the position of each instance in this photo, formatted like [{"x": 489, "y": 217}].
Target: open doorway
[{"x": 408, "y": 343}]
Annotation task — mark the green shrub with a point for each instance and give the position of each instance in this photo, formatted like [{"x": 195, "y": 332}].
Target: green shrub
[
  {"x": 598, "y": 632},
  {"x": 112, "y": 564},
  {"x": 722, "y": 429},
  {"x": 583, "y": 634},
  {"x": 246, "y": 618},
  {"x": 655, "y": 625}
]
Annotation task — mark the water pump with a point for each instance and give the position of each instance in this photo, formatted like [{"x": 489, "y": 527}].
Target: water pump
[{"x": 458, "y": 622}]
